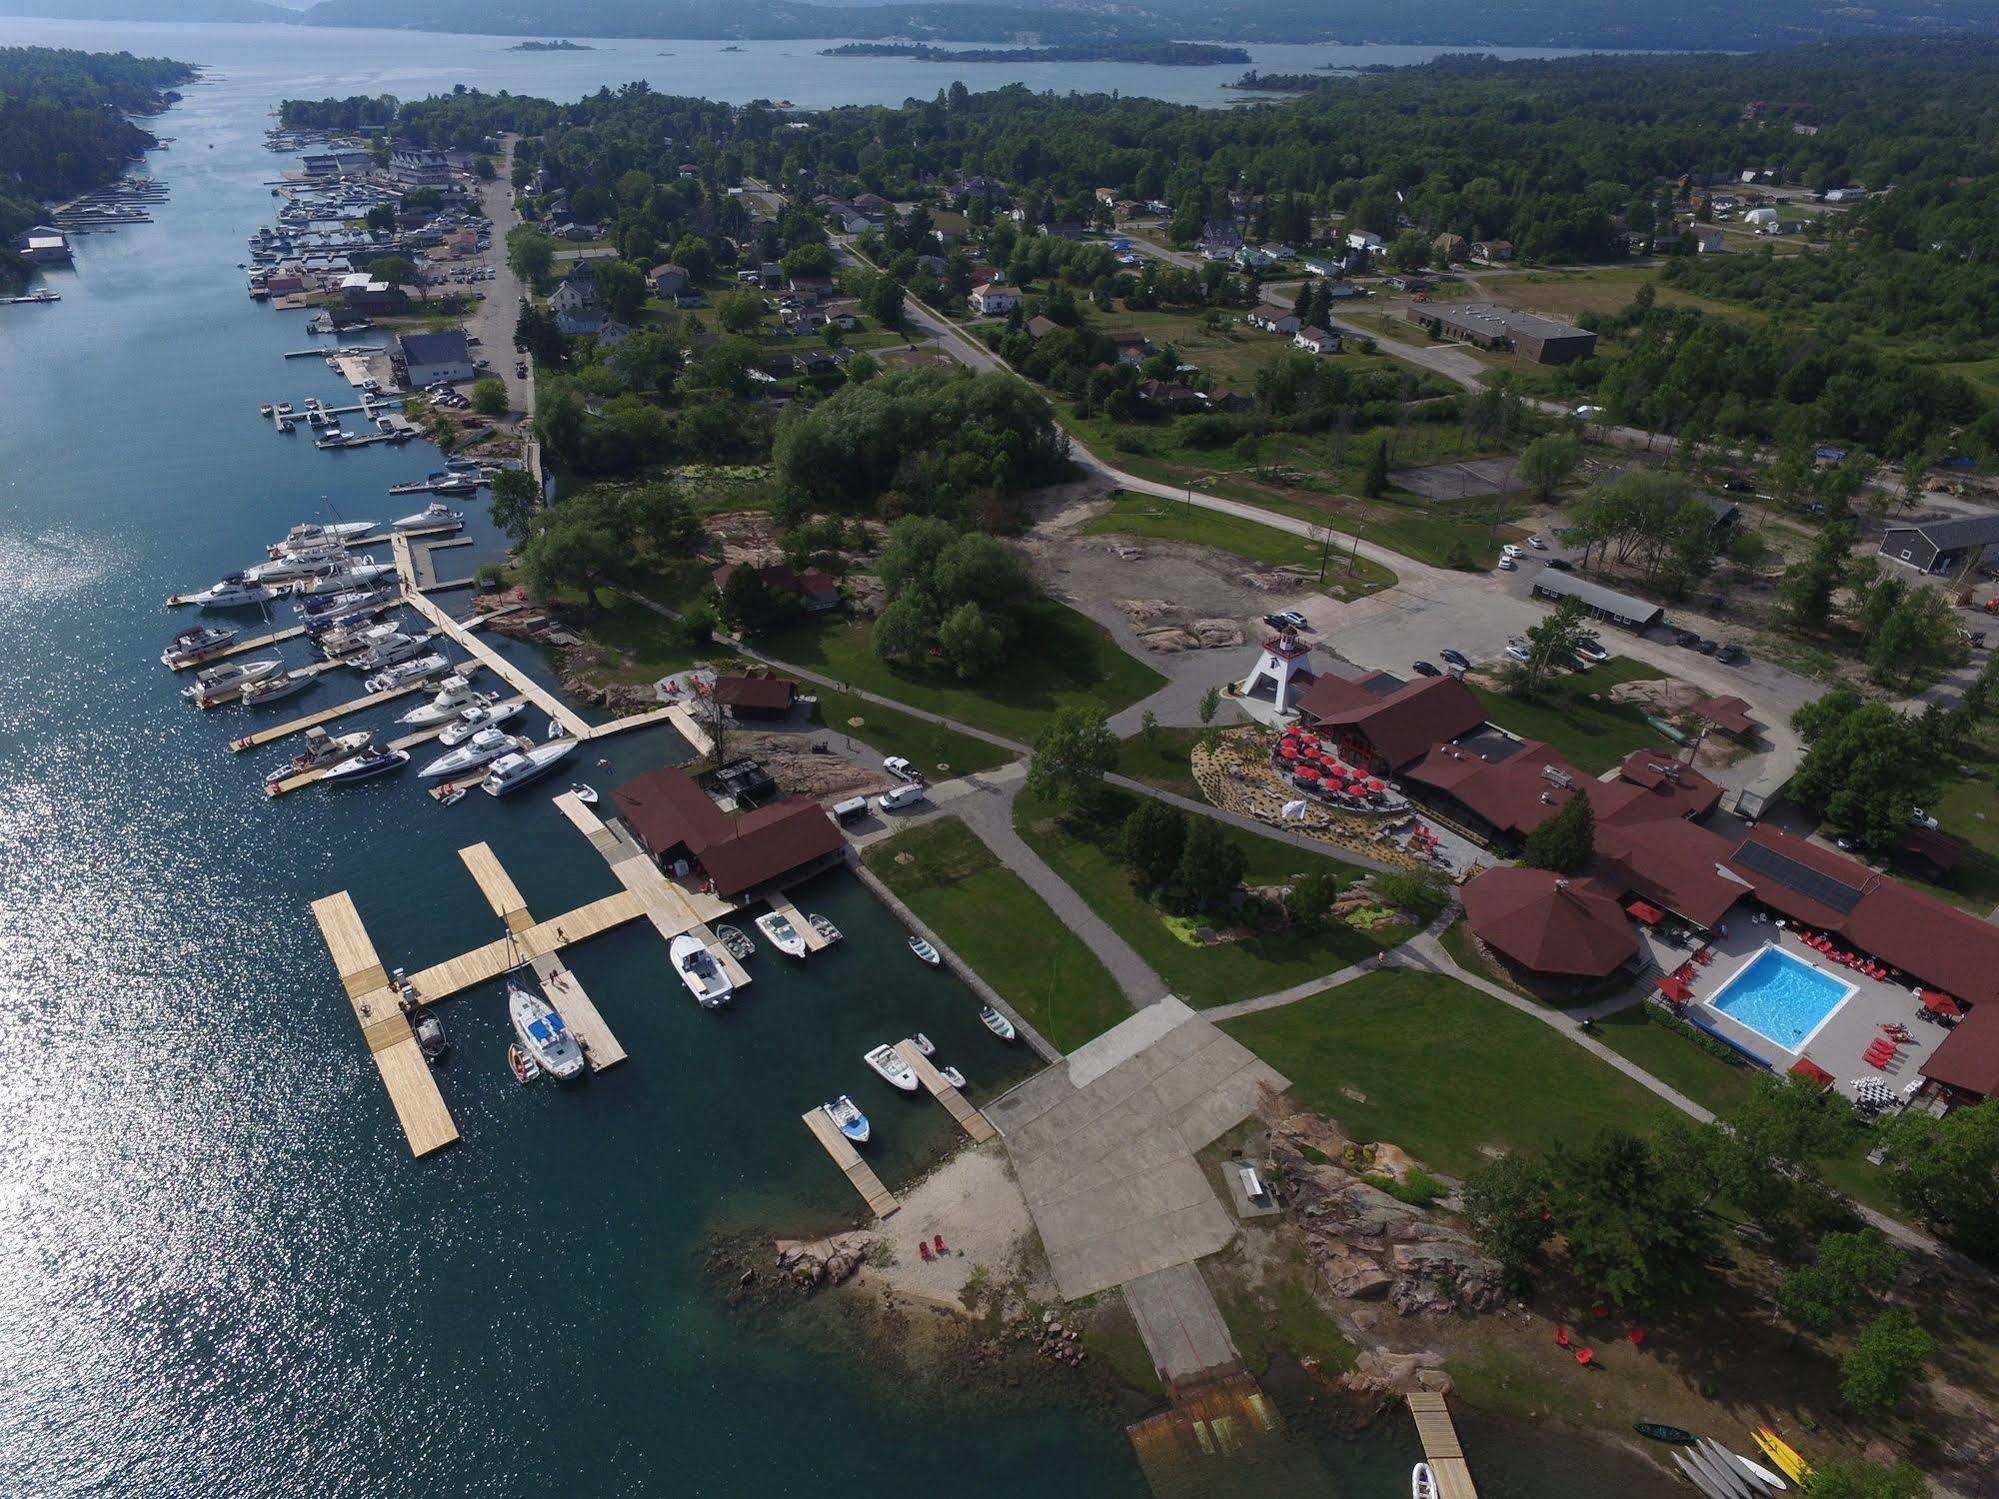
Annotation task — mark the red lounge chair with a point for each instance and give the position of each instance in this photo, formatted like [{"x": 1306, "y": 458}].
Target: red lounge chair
[{"x": 1879, "y": 1063}]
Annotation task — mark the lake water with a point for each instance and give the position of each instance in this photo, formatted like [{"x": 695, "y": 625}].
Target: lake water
[{"x": 220, "y": 1271}]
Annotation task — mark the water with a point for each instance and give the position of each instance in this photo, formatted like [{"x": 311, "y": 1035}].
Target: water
[
  {"x": 220, "y": 1272},
  {"x": 1781, "y": 998}
]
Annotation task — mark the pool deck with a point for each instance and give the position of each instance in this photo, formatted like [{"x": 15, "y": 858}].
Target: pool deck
[{"x": 1841, "y": 1040}]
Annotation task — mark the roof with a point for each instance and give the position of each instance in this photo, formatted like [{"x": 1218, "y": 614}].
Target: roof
[
  {"x": 1949, "y": 532},
  {"x": 1939, "y": 850},
  {"x": 1038, "y": 325},
  {"x": 1618, "y": 605},
  {"x": 1490, "y": 320},
  {"x": 1548, "y": 923},
  {"x": 1673, "y": 864},
  {"x": 1515, "y": 789},
  {"x": 1315, "y": 334},
  {"x": 1729, "y": 714},
  {"x": 1329, "y": 694},
  {"x": 669, "y": 268},
  {"x": 755, "y": 692},
  {"x": 1968, "y": 1057},
  {"x": 435, "y": 348},
  {"x": 781, "y": 577},
  {"x": 1270, "y": 312},
  {"x": 1663, "y": 787},
  {"x": 1403, "y": 725},
  {"x": 667, "y": 810}
]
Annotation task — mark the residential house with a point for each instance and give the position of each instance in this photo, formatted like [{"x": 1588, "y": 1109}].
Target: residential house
[
  {"x": 1221, "y": 239},
  {"x": 1222, "y": 398},
  {"x": 1708, "y": 240},
  {"x": 987, "y": 190},
  {"x": 1274, "y": 319},
  {"x": 1450, "y": 248},
  {"x": 994, "y": 299},
  {"x": 1951, "y": 545},
  {"x": 1785, "y": 226},
  {"x": 668, "y": 280},
  {"x": 430, "y": 358},
  {"x": 810, "y": 291},
  {"x": 1170, "y": 396},
  {"x": 1365, "y": 241},
  {"x": 1493, "y": 251},
  {"x": 611, "y": 333},
  {"x": 1106, "y": 195},
  {"x": 1341, "y": 289},
  {"x": 817, "y": 590},
  {"x": 1846, "y": 195},
  {"x": 759, "y": 699},
  {"x": 1132, "y": 345},
  {"x": 874, "y": 207},
  {"x": 1316, "y": 341},
  {"x": 359, "y": 292},
  {"x": 1325, "y": 265},
  {"x": 949, "y": 227},
  {"x": 586, "y": 322},
  {"x": 578, "y": 291},
  {"x": 1039, "y": 326},
  {"x": 1064, "y": 229}
]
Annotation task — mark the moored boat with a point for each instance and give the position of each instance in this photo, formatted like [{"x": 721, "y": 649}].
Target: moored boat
[
  {"x": 232, "y": 676},
  {"x": 454, "y": 695},
  {"x": 584, "y": 792},
  {"x": 997, "y": 1023},
  {"x": 270, "y": 689},
  {"x": 736, "y": 941},
  {"x": 233, "y": 591},
  {"x": 374, "y": 761},
  {"x": 321, "y": 750},
  {"x": 847, "y": 1118},
  {"x": 407, "y": 672},
  {"x": 482, "y": 748},
  {"x": 952, "y": 1076},
  {"x": 481, "y": 715},
  {"x": 781, "y": 934},
  {"x": 390, "y": 649},
  {"x": 925, "y": 951},
  {"x": 699, "y": 971},
  {"x": 887, "y": 1061},
  {"x": 521, "y": 1064},
  {"x": 314, "y": 537},
  {"x": 828, "y": 932},
  {"x": 543, "y": 1034},
  {"x": 432, "y": 515},
  {"x": 431, "y": 1040},
  {"x": 197, "y": 644},
  {"x": 511, "y": 772},
  {"x": 1422, "y": 1483}
]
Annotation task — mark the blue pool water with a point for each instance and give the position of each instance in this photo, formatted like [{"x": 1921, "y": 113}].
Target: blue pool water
[{"x": 1781, "y": 998}]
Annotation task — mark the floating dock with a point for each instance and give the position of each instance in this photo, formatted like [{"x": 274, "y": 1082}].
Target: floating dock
[
  {"x": 970, "y": 1120},
  {"x": 423, "y": 562},
  {"x": 781, "y": 905},
  {"x": 1440, "y": 1445},
  {"x": 848, "y": 1159},
  {"x": 327, "y": 715}
]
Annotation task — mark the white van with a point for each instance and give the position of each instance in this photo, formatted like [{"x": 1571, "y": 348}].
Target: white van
[{"x": 899, "y": 796}]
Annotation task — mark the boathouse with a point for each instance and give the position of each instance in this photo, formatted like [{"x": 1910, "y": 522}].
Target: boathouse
[{"x": 678, "y": 823}]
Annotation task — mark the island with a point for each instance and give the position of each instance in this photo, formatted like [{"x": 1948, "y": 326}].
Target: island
[
  {"x": 550, "y": 47},
  {"x": 1164, "y": 54}
]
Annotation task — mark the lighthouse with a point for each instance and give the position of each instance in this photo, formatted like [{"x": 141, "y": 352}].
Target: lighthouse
[{"x": 1284, "y": 668}]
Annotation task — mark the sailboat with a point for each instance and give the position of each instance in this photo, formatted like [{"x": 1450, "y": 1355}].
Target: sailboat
[{"x": 542, "y": 1033}]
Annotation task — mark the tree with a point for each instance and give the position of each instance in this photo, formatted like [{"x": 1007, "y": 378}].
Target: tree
[
  {"x": 530, "y": 253},
  {"x": 747, "y": 603},
  {"x": 516, "y": 504},
  {"x": 1374, "y": 482},
  {"x": 691, "y": 254},
  {"x": 621, "y": 286},
  {"x": 740, "y": 312},
  {"x": 807, "y": 260},
  {"x": 1547, "y": 462},
  {"x": 1851, "y": 1269},
  {"x": 971, "y": 643},
  {"x": 659, "y": 521},
  {"x": 571, "y": 551},
  {"x": 1865, "y": 765},
  {"x": 489, "y": 397},
  {"x": 884, "y": 302},
  {"x": 1876, "y": 1371},
  {"x": 1410, "y": 251},
  {"x": 1210, "y": 868},
  {"x": 381, "y": 218},
  {"x": 1072, "y": 755},
  {"x": 1565, "y": 842},
  {"x": 483, "y": 168},
  {"x": 1919, "y": 636},
  {"x": 1766, "y": 1152},
  {"x": 1946, "y": 1170},
  {"x": 901, "y": 631},
  {"x": 1551, "y": 646},
  {"x": 1634, "y": 1233},
  {"x": 1310, "y": 897},
  {"x": 1808, "y": 586},
  {"x": 1210, "y": 704},
  {"x": 1150, "y": 842},
  {"x": 1506, "y": 1205}
]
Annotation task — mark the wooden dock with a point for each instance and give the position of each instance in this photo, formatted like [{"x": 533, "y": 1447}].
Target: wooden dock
[
  {"x": 423, "y": 560},
  {"x": 1440, "y": 1445},
  {"x": 497, "y": 886},
  {"x": 600, "y": 1048},
  {"x": 970, "y": 1120},
  {"x": 327, "y": 715},
  {"x": 848, "y": 1159},
  {"x": 782, "y": 906},
  {"x": 238, "y": 647},
  {"x": 484, "y": 964}
]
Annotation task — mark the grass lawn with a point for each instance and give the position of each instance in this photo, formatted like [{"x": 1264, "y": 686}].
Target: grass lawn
[
  {"x": 1969, "y": 811},
  {"x": 1592, "y": 736},
  {"x": 1442, "y": 1070},
  {"x": 929, "y": 746},
  {"x": 1059, "y": 658},
  {"x": 1569, "y": 294},
  {"x": 1162, "y": 520},
  {"x": 1164, "y": 761},
  {"x": 1079, "y": 852},
  {"x": 637, "y": 644},
  {"x": 1006, "y": 932}
]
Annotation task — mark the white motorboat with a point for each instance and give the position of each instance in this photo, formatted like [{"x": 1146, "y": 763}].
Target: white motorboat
[
  {"x": 543, "y": 1035},
  {"x": 781, "y": 934},
  {"x": 406, "y": 673},
  {"x": 924, "y": 1044},
  {"x": 997, "y": 1023},
  {"x": 925, "y": 951},
  {"x": 511, "y": 772},
  {"x": 482, "y": 748},
  {"x": 432, "y": 515},
  {"x": 847, "y": 1118},
  {"x": 479, "y": 717},
  {"x": 327, "y": 606},
  {"x": 431, "y": 1040},
  {"x": 362, "y": 573},
  {"x": 272, "y": 688},
  {"x": 454, "y": 695},
  {"x": 231, "y": 676},
  {"x": 828, "y": 932},
  {"x": 1422, "y": 1484},
  {"x": 234, "y": 591},
  {"x": 736, "y": 940},
  {"x": 389, "y": 649},
  {"x": 370, "y": 762},
  {"x": 351, "y": 634},
  {"x": 584, "y": 792},
  {"x": 193, "y": 645},
  {"x": 321, "y": 750},
  {"x": 698, "y": 970},
  {"x": 313, "y": 537},
  {"x": 301, "y": 564},
  {"x": 952, "y": 1076},
  {"x": 889, "y": 1063}
]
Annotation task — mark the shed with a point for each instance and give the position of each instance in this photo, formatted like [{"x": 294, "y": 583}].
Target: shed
[{"x": 1601, "y": 602}]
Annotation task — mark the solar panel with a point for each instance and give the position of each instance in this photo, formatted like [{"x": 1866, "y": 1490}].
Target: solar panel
[{"x": 1833, "y": 894}]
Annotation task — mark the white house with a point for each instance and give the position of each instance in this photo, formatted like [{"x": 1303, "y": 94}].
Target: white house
[
  {"x": 994, "y": 299},
  {"x": 578, "y": 292},
  {"x": 432, "y": 357},
  {"x": 418, "y": 168},
  {"x": 1316, "y": 341},
  {"x": 1709, "y": 240},
  {"x": 1364, "y": 240},
  {"x": 1274, "y": 319}
]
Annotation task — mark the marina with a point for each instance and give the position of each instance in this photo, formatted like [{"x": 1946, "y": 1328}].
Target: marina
[
  {"x": 881, "y": 1202},
  {"x": 970, "y": 1120}
]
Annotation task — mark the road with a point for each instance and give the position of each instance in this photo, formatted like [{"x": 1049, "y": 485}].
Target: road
[{"x": 493, "y": 323}]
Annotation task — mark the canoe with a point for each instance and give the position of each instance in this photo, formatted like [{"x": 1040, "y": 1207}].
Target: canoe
[
  {"x": 1660, "y": 1433},
  {"x": 1730, "y": 1479},
  {"x": 1761, "y": 1474},
  {"x": 1699, "y": 1479},
  {"x": 924, "y": 951},
  {"x": 1735, "y": 1468},
  {"x": 1784, "y": 1455}
]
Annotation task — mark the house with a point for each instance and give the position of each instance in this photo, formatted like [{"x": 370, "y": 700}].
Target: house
[
  {"x": 290, "y": 283},
  {"x": 1038, "y": 327},
  {"x": 1274, "y": 319},
  {"x": 1170, "y": 395},
  {"x": 1486, "y": 325},
  {"x": 1492, "y": 251},
  {"x": 577, "y": 324},
  {"x": 430, "y": 358},
  {"x": 1365, "y": 241},
  {"x": 1132, "y": 345},
  {"x": 1321, "y": 265},
  {"x": 755, "y": 698},
  {"x": 668, "y": 280},
  {"x": 1948, "y": 545},
  {"x": 987, "y": 190},
  {"x": 948, "y": 227},
  {"x": 1598, "y": 601},
  {"x": 413, "y": 167},
  {"x": 679, "y": 824},
  {"x": 1221, "y": 398},
  {"x": 1450, "y": 248},
  {"x": 1549, "y": 923},
  {"x": 1846, "y": 195},
  {"x": 1220, "y": 239},
  {"x": 874, "y": 205},
  {"x": 994, "y": 299},
  {"x": 1316, "y": 341},
  {"x": 770, "y": 275},
  {"x": 359, "y": 292},
  {"x": 1708, "y": 240},
  {"x": 1106, "y": 195},
  {"x": 1064, "y": 229},
  {"x": 611, "y": 333},
  {"x": 1383, "y": 723},
  {"x": 578, "y": 291},
  {"x": 852, "y": 220},
  {"x": 817, "y": 590},
  {"x": 810, "y": 291}
]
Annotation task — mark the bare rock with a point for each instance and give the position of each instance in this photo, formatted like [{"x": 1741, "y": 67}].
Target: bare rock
[
  {"x": 1391, "y": 1160},
  {"x": 1168, "y": 642},
  {"x": 1443, "y": 1274},
  {"x": 1365, "y": 1212},
  {"x": 1216, "y": 634},
  {"x": 1353, "y": 1276}
]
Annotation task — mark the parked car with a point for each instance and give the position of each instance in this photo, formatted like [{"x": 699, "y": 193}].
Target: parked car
[
  {"x": 1509, "y": 550},
  {"x": 1537, "y": 543},
  {"x": 1738, "y": 486},
  {"x": 902, "y": 770},
  {"x": 1587, "y": 413},
  {"x": 1507, "y": 564},
  {"x": 1707, "y": 647},
  {"x": 1921, "y": 819},
  {"x": 1592, "y": 651},
  {"x": 1517, "y": 649},
  {"x": 1289, "y": 619},
  {"x": 1731, "y": 655},
  {"x": 1561, "y": 564},
  {"x": 1427, "y": 669},
  {"x": 1455, "y": 657},
  {"x": 901, "y": 796}
]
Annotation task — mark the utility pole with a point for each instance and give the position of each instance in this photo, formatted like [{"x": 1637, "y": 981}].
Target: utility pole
[{"x": 1353, "y": 558}]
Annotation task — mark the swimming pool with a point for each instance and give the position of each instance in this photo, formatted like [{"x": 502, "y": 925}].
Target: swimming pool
[{"x": 1781, "y": 998}]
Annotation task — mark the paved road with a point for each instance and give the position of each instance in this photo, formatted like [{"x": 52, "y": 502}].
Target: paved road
[{"x": 493, "y": 323}]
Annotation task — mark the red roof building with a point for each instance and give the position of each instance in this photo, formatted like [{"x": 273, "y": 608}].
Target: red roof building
[
  {"x": 1967, "y": 1061},
  {"x": 816, "y": 588},
  {"x": 1668, "y": 863},
  {"x": 1385, "y": 733},
  {"x": 673, "y": 819},
  {"x": 756, "y": 697},
  {"x": 1549, "y": 923},
  {"x": 1729, "y": 714}
]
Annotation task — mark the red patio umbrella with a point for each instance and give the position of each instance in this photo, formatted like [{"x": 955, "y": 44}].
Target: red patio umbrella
[
  {"x": 1561, "y": 1337},
  {"x": 1585, "y": 1356},
  {"x": 1288, "y": 751},
  {"x": 1939, "y": 1003},
  {"x": 1675, "y": 989},
  {"x": 1377, "y": 786},
  {"x": 1305, "y": 773}
]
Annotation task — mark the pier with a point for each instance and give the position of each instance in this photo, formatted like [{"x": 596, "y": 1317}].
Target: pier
[
  {"x": 848, "y": 1159},
  {"x": 1440, "y": 1445},
  {"x": 781, "y": 905},
  {"x": 970, "y": 1120},
  {"x": 327, "y": 715}
]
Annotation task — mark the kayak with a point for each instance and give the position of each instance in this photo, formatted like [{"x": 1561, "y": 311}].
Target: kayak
[
  {"x": 1784, "y": 1455},
  {"x": 1659, "y": 1433}
]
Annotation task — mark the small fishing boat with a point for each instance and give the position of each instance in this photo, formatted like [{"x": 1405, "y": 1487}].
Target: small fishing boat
[
  {"x": 887, "y": 1061},
  {"x": 699, "y": 971},
  {"x": 372, "y": 762},
  {"x": 584, "y": 792},
  {"x": 476, "y": 719},
  {"x": 193, "y": 645},
  {"x": 265, "y": 409},
  {"x": 828, "y": 932},
  {"x": 952, "y": 1076},
  {"x": 232, "y": 676},
  {"x": 997, "y": 1023},
  {"x": 511, "y": 772},
  {"x": 923, "y": 1044},
  {"x": 406, "y": 672},
  {"x": 1422, "y": 1483},
  {"x": 540, "y": 1029},
  {"x": 781, "y": 934},
  {"x": 847, "y": 1118},
  {"x": 321, "y": 750},
  {"x": 432, "y": 515},
  {"x": 431, "y": 1040},
  {"x": 521, "y": 1064},
  {"x": 1661, "y": 1433},
  {"x": 925, "y": 951},
  {"x": 272, "y": 688},
  {"x": 736, "y": 941}
]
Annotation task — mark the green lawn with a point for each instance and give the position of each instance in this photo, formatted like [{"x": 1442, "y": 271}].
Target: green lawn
[
  {"x": 1592, "y": 736},
  {"x": 1442, "y": 1070},
  {"x": 1969, "y": 811},
  {"x": 935, "y": 750},
  {"x": 1163, "y": 760},
  {"x": 1059, "y": 658},
  {"x": 1675, "y": 1060},
  {"x": 1162, "y": 520},
  {"x": 989, "y": 916},
  {"x": 1079, "y": 852}
]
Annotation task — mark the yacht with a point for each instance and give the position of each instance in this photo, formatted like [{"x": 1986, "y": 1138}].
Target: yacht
[
  {"x": 270, "y": 689},
  {"x": 305, "y": 563},
  {"x": 193, "y": 645},
  {"x": 454, "y": 694},
  {"x": 234, "y": 592},
  {"x": 390, "y": 649},
  {"x": 433, "y": 514},
  {"x": 321, "y": 751},
  {"x": 698, "y": 970},
  {"x": 475, "y": 720},
  {"x": 351, "y": 634},
  {"x": 511, "y": 772},
  {"x": 352, "y": 601},
  {"x": 363, "y": 572},
  {"x": 848, "y": 1118},
  {"x": 370, "y": 762},
  {"x": 887, "y": 1061},
  {"x": 407, "y": 673},
  {"x": 448, "y": 482},
  {"x": 482, "y": 748},
  {"x": 231, "y": 676},
  {"x": 313, "y": 537},
  {"x": 543, "y": 1035}
]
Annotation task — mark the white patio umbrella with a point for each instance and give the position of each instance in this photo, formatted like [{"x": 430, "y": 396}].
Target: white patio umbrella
[{"x": 1294, "y": 811}]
